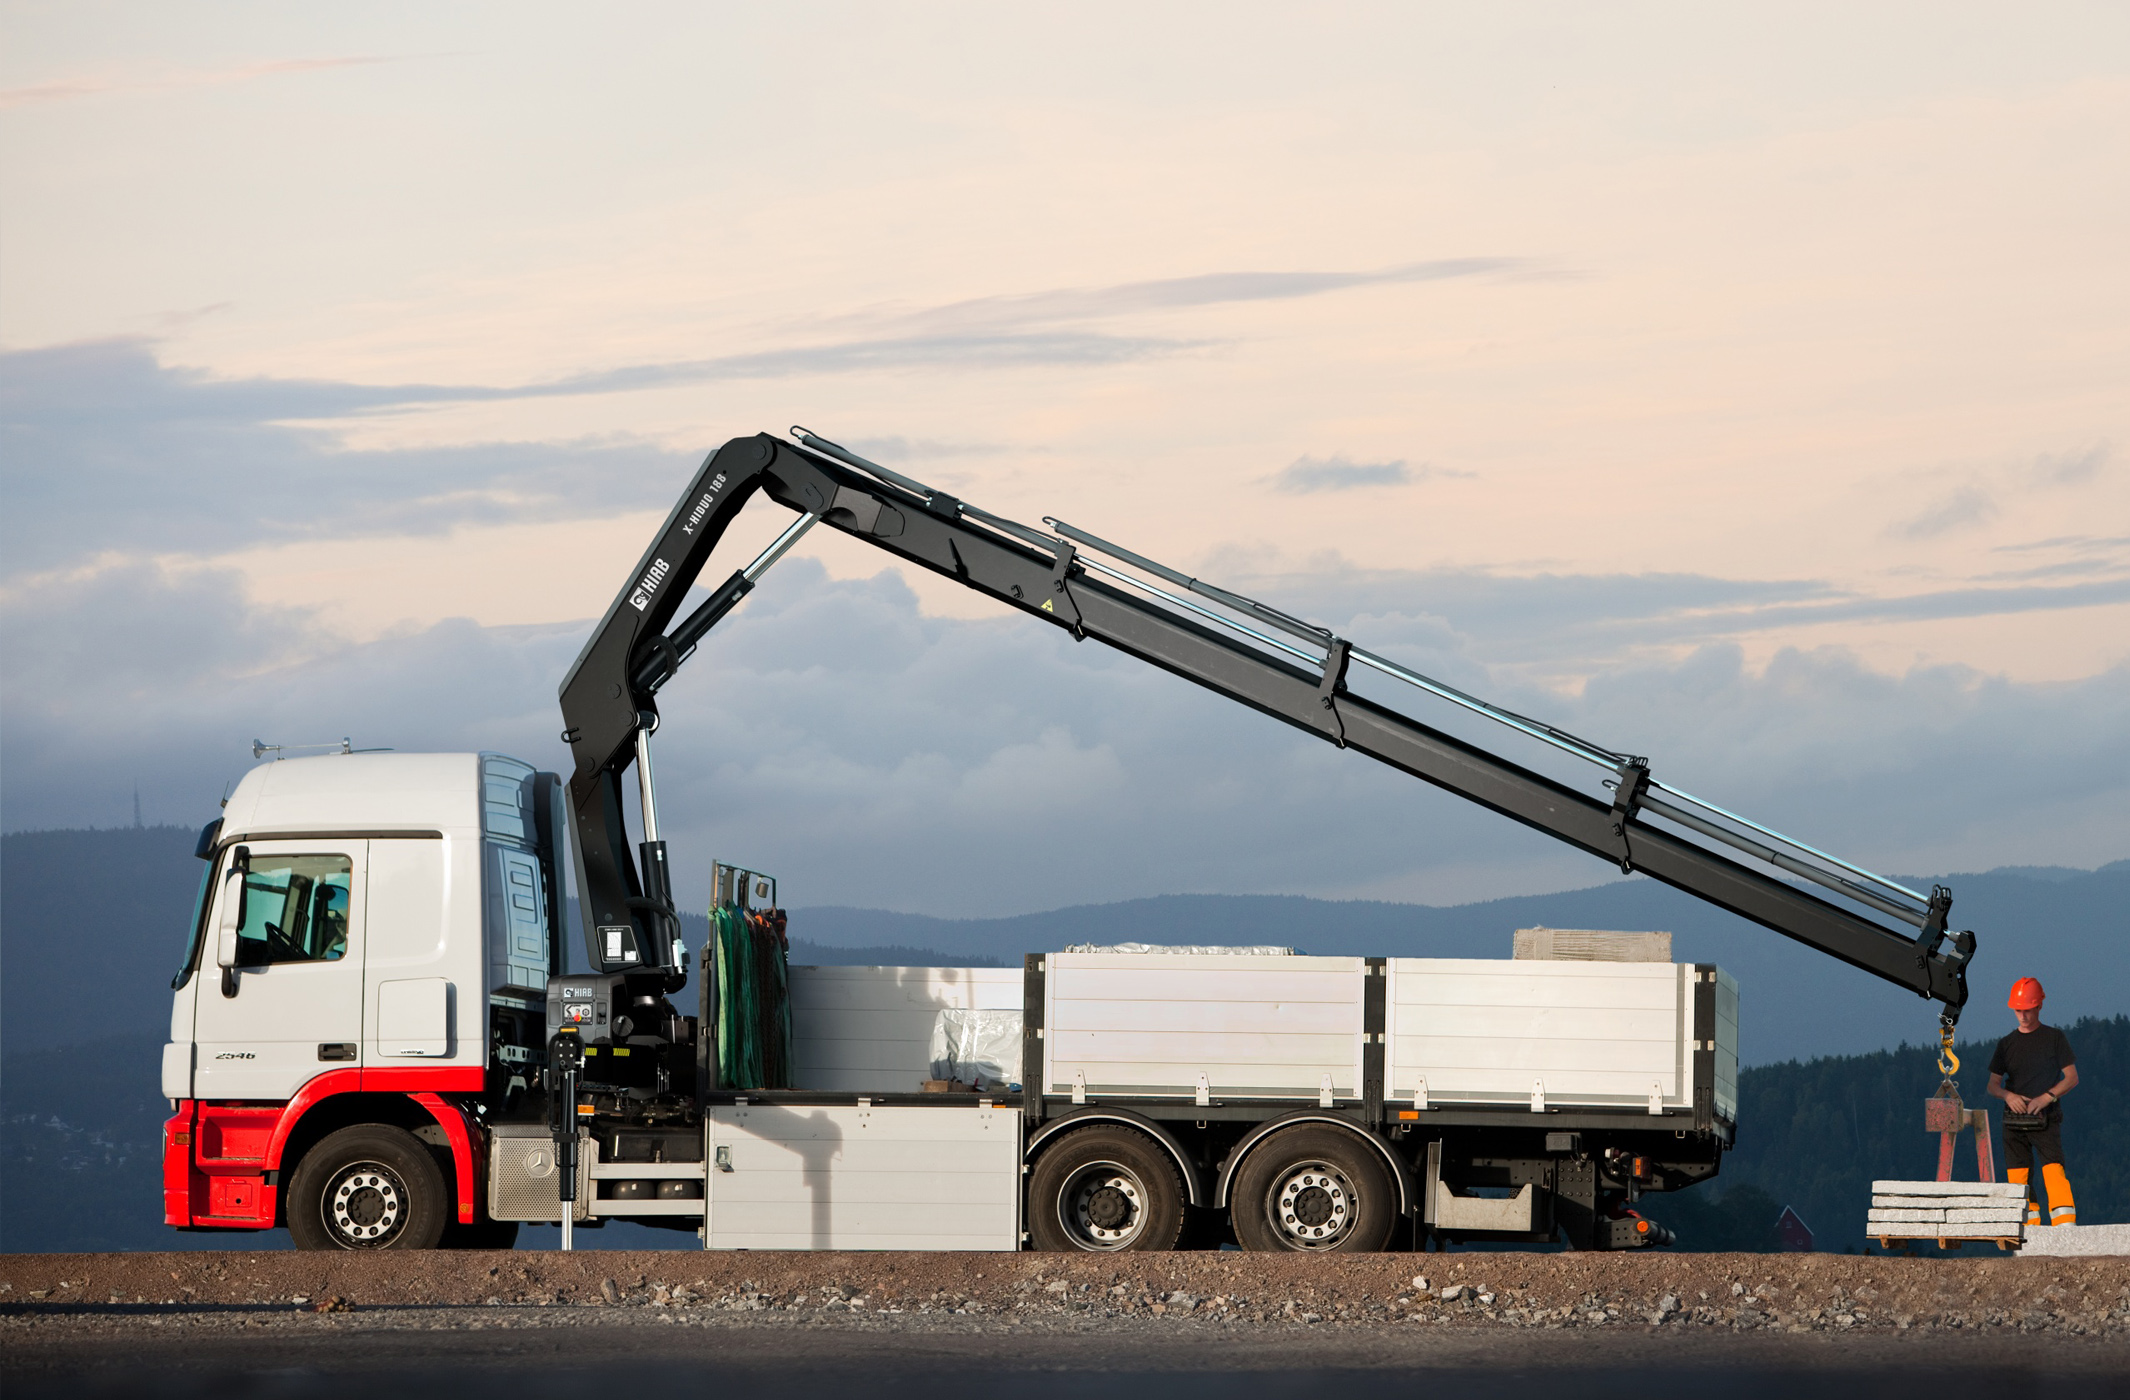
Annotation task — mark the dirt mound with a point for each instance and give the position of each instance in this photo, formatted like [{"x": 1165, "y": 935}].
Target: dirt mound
[{"x": 1736, "y": 1291}]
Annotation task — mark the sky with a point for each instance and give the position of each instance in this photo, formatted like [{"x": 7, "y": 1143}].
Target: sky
[{"x": 1751, "y": 390}]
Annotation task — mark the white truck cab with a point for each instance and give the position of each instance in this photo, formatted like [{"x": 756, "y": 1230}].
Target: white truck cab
[{"x": 369, "y": 923}]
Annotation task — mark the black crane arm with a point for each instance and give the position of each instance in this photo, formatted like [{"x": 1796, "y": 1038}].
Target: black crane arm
[{"x": 1232, "y": 645}]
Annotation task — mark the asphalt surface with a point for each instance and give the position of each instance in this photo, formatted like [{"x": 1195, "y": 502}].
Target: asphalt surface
[{"x": 470, "y": 1353}]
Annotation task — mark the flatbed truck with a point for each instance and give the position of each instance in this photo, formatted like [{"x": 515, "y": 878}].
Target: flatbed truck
[{"x": 376, "y": 1040}]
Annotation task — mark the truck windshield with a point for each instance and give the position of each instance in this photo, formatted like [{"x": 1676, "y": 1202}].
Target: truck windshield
[{"x": 199, "y": 928}]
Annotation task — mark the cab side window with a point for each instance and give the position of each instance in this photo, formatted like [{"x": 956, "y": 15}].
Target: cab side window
[{"x": 295, "y": 910}]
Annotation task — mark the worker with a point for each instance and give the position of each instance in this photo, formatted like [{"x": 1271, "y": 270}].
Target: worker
[{"x": 2032, "y": 1071}]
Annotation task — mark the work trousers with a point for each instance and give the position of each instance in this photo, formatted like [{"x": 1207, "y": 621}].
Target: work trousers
[{"x": 2020, "y": 1151}]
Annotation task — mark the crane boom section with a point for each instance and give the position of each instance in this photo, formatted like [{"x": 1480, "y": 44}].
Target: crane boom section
[{"x": 609, "y": 697}]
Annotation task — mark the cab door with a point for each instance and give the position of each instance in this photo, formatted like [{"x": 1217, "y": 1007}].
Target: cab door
[{"x": 280, "y": 1001}]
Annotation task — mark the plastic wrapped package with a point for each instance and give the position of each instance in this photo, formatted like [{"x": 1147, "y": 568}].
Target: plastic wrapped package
[
  {"x": 748, "y": 960},
  {"x": 977, "y": 1046},
  {"x": 1257, "y": 950}
]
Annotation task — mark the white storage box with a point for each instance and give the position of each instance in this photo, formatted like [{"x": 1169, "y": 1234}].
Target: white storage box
[{"x": 939, "y": 1176}]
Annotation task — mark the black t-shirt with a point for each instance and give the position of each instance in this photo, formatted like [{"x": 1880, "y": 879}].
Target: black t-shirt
[{"x": 2032, "y": 1062}]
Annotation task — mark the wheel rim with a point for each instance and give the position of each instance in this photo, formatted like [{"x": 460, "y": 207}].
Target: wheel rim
[
  {"x": 1313, "y": 1205},
  {"x": 1102, "y": 1206},
  {"x": 365, "y": 1206}
]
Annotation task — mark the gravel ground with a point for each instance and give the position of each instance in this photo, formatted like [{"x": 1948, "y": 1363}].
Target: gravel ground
[
  {"x": 468, "y": 1326},
  {"x": 1227, "y": 1290}
]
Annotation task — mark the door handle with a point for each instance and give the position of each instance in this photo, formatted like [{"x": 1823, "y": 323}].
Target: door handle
[{"x": 341, "y": 1050}]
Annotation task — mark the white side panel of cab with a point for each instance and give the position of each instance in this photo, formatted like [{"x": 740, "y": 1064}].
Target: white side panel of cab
[
  {"x": 828, "y": 1177},
  {"x": 426, "y": 946},
  {"x": 868, "y": 1030}
]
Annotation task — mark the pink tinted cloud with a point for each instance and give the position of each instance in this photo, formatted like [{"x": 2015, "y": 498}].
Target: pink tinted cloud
[{"x": 67, "y": 90}]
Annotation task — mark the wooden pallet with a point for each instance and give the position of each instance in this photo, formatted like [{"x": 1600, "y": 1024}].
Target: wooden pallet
[{"x": 2008, "y": 1242}]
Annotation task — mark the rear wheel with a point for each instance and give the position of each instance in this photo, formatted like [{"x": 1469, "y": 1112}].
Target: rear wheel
[
  {"x": 368, "y": 1187},
  {"x": 1313, "y": 1189},
  {"x": 1105, "y": 1189}
]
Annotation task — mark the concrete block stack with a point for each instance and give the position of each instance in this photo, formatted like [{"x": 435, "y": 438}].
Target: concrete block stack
[{"x": 1947, "y": 1210}]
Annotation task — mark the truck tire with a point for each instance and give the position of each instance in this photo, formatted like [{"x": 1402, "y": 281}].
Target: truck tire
[
  {"x": 1313, "y": 1189},
  {"x": 1105, "y": 1189},
  {"x": 368, "y": 1187}
]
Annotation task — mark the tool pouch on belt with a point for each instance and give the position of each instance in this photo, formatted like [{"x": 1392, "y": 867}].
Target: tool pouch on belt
[{"x": 2025, "y": 1122}]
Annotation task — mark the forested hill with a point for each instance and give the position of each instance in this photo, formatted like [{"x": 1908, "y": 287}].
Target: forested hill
[{"x": 1815, "y": 1135}]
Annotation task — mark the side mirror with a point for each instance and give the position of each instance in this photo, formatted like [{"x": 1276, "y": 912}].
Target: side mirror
[{"x": 230, "y": 918}]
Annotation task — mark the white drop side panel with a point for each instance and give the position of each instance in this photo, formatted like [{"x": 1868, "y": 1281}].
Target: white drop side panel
[
  {"x": 1590, "y": 1034},
  {"x": 868, "y": 1030},
  {"x": 1154, "y": 1023},
  {"x": 826, "y": 1177}
]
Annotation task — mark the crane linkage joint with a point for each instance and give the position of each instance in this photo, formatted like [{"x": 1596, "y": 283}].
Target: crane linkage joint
[
  {"x": 1932, "y": 934},
  {"x": 1334, "y": 680},
  {"x": 1060, "y": 604},
  {"x": 1627, "y": 790}
]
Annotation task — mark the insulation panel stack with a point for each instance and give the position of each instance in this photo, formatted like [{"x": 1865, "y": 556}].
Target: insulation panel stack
[{"x": 1947, "y": 1210}]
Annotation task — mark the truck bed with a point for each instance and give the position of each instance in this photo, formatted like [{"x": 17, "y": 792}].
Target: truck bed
[{"x": 1520, "y": 1034}]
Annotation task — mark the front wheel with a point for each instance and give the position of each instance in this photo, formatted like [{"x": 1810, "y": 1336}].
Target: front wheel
[
  {"x": 1314, "y": 1189},
  {"x": 368, "y": 1187},
  {"x": 1105, "y": 1189}
]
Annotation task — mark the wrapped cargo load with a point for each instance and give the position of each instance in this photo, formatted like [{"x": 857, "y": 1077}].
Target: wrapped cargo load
[
  {"x": 750, "y": 955},
  {"x": 980, "y": 1048}
]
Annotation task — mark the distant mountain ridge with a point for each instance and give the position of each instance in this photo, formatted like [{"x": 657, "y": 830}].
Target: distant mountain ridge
[
  {"x": 2067, "y": 927},
  {"x": 109, "y": 909}
]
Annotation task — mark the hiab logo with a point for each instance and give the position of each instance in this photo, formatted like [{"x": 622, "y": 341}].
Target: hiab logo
[{"x": 648, "y": 584}]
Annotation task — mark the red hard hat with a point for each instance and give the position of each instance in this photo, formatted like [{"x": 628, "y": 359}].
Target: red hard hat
[{"x": 2026, "y": 995}]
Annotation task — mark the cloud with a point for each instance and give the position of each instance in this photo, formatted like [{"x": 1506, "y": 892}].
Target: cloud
[
  {"x": 1177, "y": 293},
  {"x": 1587, "y": 621},
  {"x": 1305, "y": 475},
  {"x": 105, "y": 449},
  {"x": 873, "y": 755},
  {"x": 69, "y": 89},
  {"x": 1982, "y": 500},
  {"x": 1970, "y": 505},
  {"x": 2069, "y": 468},
  {"x": 1308, "y": 474}
]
